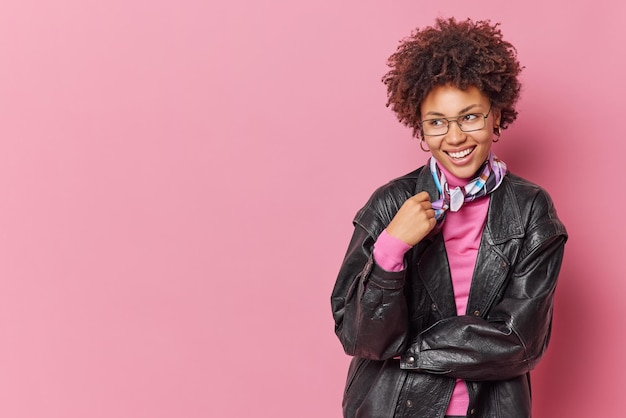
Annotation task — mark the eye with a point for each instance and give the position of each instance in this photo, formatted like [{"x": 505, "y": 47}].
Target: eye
[
  {"x": 435, "y": 123},
  {"x": 470, "y": 117}
]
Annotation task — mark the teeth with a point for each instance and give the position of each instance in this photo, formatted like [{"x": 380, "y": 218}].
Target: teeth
[{"x": 460, "y": 154}]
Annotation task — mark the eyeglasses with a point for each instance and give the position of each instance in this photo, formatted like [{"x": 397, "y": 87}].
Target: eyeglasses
[{"x": 467, "y": 123}]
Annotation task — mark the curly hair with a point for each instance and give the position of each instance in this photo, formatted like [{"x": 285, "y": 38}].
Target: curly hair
[{"x": 461, "y": 54}]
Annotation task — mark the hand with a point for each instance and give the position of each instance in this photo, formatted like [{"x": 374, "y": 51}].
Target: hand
[{"x": 414, "y": 220}]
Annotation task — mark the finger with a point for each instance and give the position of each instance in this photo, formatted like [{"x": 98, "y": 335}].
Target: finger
[
  {"x": 423, "y": 196},
  {"x": 420, "y": 197}
]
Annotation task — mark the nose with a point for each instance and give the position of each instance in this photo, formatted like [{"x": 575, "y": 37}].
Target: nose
[{"x": 455, "y": 135}]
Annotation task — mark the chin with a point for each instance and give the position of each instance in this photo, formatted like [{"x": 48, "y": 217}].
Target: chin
[{"x": 463, "y": 172}]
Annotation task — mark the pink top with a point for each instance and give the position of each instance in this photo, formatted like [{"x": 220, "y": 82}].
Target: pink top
[{"x": 462, "y": 232}]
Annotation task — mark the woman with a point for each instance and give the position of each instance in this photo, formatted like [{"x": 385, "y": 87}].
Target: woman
[{"x": 446, "y": 292}]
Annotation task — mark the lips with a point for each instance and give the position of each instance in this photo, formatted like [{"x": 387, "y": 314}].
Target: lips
[{"x": 460, "y": 154}]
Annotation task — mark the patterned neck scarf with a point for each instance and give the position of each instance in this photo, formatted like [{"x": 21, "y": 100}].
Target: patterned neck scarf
[{"x": 491, "y": 174}]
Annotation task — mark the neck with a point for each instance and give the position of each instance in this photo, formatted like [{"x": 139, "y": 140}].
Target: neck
[{"x": 454, "y": 181}]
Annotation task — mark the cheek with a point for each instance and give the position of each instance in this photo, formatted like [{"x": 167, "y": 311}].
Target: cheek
[
  {"x": 486, "y": 136},
  {"x": 487, "y": 139},
  {"x": 432, "y": 144}
]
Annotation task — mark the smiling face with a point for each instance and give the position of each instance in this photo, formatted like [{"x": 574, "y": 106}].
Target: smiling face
[{"x": 461, "y": 153}]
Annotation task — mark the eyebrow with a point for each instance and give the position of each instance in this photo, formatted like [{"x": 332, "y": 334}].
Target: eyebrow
[{"x": 461, "y": 112}]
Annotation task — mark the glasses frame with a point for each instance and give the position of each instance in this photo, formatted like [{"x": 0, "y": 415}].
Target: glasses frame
[{"x": 458, "y": 122}]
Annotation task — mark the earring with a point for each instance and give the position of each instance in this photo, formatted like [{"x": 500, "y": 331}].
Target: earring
[
  {"x": 497, "y": 132},
  {"x": 422, "y": 145}
]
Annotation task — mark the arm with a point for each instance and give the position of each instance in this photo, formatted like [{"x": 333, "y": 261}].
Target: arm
[
  {"x": 510, "y": 339},
  {"x": 368, "y": 302}
]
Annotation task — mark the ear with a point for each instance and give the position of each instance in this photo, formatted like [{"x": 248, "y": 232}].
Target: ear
[{"x": 497, "y": 116}]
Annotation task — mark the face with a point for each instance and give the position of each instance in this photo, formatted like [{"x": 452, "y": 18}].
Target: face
[{"x": 461, "y": 153}]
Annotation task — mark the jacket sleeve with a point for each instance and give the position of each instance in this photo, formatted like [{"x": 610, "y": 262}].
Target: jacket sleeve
[
  {"x": 368, "y": 302},
  {"x": 511, "y": 338}
]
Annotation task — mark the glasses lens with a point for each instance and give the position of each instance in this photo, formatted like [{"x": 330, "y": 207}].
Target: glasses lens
[
  {"x": 471, "y": 122},
  {"x": 435, "y": 126}
]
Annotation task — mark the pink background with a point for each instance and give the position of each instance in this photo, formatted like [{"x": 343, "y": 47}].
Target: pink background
[{"x": 178, "y": 179}]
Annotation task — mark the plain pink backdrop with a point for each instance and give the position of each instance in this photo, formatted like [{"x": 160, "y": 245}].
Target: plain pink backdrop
[{"x": 178, "y": 179}]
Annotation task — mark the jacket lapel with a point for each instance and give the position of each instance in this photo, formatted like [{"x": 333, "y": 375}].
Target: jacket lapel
[
  {"x": 433, "y": 269},
  {"x": 492, "y": 263}
]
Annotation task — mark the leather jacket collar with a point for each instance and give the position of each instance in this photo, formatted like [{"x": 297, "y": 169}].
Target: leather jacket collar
[{"x": 500, "y": 228}]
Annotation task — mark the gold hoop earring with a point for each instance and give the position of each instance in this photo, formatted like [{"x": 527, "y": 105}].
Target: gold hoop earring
[{"x": 422, "y": 145}]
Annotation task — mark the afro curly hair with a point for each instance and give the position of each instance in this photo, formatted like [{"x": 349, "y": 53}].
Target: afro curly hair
[{"x": 461, "y": 54}]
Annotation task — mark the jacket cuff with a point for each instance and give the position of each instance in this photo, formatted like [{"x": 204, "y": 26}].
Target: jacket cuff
[
  {"x": 391, "y": 280},
  {"x": 410, "y": 359}
]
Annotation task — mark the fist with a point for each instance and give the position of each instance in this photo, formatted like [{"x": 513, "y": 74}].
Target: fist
[{"x": 414, "y": 220}]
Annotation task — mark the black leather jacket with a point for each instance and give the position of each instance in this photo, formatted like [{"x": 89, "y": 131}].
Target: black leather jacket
[{"x": 408, "y": 343}]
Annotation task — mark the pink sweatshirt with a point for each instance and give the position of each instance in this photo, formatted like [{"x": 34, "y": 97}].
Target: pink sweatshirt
[{"x": 462, "y": 232}]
